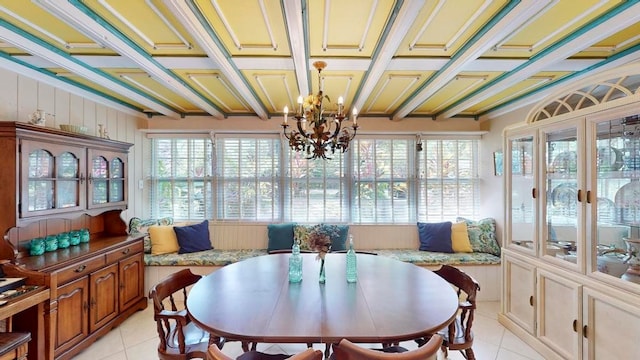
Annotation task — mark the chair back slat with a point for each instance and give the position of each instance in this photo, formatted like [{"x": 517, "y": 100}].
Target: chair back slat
[{"x": 459, "y": 335}]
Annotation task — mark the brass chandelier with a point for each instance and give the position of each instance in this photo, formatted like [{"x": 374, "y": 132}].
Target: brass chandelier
[{"x": 316, "y": 134}]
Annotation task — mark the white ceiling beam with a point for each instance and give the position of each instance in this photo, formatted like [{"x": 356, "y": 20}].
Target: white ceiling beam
[
  {"x": 605, "y": 29},
  {"x": 86, "y": 25},
  {"x": 79, "y": 69},
  {"x": 63, "y": 85},
  {"x": 575, "y": 83},
  {"x": 401, "y": 25},
  {"x": 511, "y": 21},
  {"x": 189, "y": 20},
  {"x": 294, "y": 20}
]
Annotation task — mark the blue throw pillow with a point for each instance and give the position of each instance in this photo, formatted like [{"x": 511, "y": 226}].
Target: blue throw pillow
[
  {"x": 280, "y": 236},
  {"x": 435, "y": 236},
  {"x": 193, "y": 238}
]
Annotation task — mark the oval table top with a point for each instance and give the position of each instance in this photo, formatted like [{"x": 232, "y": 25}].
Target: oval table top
[{"x": 252, "y": 300}]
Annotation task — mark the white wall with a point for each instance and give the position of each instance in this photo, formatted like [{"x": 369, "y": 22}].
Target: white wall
[{"x": 20, "y": 96}]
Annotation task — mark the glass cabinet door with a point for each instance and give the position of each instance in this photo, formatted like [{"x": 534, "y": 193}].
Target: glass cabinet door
[
  {"x": 116, "y": 181},
  {"x": 563, "y": 194},
  {"x": 615, "y": 218},
  {"x": 52, "y": 179},
  {"x": 521, "y": 211},
  {"x": 41, "y": 180},
  {"x": 107, "y": 182}
]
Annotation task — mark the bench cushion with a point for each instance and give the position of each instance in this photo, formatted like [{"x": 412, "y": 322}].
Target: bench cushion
[
  {"x": 212, "y": 257},
  {"x": 217, "y": 257}
]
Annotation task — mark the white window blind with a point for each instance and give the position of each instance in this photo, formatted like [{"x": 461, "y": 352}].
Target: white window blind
[
  {"x": 181, "y": 180},
  {"x": 381, "y": 171},
  {"x": 448, "y": 180},
  {"x": 379, "y": 180},
  {"x": 248, "y": 178},
  {"x": 316, "y": 189}
]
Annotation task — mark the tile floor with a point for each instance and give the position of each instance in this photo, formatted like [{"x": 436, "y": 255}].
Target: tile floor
[{"x": 136, "y": 339}]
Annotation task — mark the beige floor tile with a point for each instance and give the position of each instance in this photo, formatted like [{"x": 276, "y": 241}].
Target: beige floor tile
[
  {"x": 146, "y": 350},
  {"x": 514, "y": 344},
  {"x": 107, "y": 345}
]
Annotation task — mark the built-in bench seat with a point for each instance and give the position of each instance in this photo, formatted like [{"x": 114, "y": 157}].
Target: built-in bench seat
[
  {"x": 233, "y": 243},
  {"x": 217, "y": 257}
]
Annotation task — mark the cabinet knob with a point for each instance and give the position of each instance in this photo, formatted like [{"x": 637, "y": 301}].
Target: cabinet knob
[
  {"x": 80, "y": 268},
  {"x": 126, "y": 251},
  {"x": 531, "y": 300},
  {"x": 533, "y": 193},
  {"x": 82, "y": 178},
  {"x": 585, "y": 332},
  {"x": 579, "y": 195},
  {"x": 588, "y": 196},
  {"x": 575, "y": 325}
]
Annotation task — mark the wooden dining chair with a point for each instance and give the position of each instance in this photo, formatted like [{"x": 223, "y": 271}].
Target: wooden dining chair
[
  {"x": 458, "y": 335},
  {"x": 346, "y": 350},
  {"x": 215, "y": 353},
  {"x": 180, "y": 338}
]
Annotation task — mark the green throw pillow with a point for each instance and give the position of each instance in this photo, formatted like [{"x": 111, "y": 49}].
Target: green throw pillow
[
  {"x": 482, "y": 235},
  {"x": 280, "y": 236}
]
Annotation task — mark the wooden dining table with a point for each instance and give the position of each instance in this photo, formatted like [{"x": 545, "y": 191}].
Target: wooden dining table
[{"x": 253, "y": 300}]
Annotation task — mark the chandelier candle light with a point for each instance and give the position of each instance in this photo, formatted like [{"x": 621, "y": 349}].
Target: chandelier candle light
[{"x": 316, "y": 134}]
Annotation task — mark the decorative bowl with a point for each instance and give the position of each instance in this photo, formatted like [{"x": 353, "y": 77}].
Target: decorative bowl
[{"x": 77, "y": 129}]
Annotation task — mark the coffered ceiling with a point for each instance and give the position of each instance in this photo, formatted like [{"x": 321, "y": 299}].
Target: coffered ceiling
[{"x": 392, "y": 58}]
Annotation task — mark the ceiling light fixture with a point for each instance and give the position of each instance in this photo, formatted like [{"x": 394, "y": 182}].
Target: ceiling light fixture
[{"x": 317, "y": 134}]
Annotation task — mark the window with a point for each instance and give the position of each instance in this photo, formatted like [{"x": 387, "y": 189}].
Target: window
[
  {"x": 181, "y": 181},
  {"x": 316, "y": 189},
  {"x": 248, "y": 177},
  {"x": 448, "y": 180},
  {"x": 381, "y": 173}
]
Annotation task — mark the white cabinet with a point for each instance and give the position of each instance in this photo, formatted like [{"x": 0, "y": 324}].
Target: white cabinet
[
  {"x": 559, "y": 314},
  {"x": 612, "y": 326},
  {"x": 519, "y": 300},
  {"x": 572, "y": 203}
]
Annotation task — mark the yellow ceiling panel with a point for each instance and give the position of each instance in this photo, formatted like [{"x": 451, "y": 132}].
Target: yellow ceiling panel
[
  {"x": 66, "y": 74},
  {"x": 146, "y": 84},
  {"x": 248, "y": 27},
  {"x": 346, "y": 28},
  {"x": 446, "y": 26},
  {"x": 518, "y": 89},
  {"x": 557, "y": 21},
  {"x": 33, "y": 19},
  {"x": 336, "y": 84},
  {"x": 10, "y": 49},
  {"x": 215, "y": 87},
  {"x": 276, "y": 88},
  {"x": 149, "y": 24},
  {"x": 457, "y": 88},
  {"x": 613, "y": 44},
  {"x": 393, "y": 89}
]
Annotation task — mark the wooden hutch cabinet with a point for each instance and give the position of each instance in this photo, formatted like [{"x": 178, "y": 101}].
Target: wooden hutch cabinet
[{"x": 55, "y": 182}]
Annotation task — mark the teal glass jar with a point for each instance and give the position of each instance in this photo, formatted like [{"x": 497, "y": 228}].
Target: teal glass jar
[
  {"x": 50, "y": 243},
  {"x": 63, "y": 240},
  {"x": 36, "y": 246},
  {"x": 74, "y": 237},
  {"x": 84, "y": 235}
]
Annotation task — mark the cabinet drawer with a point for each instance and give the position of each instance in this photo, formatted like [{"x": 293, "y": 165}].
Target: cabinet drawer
[
  {"x": 123, "y": 252},
  {"x": 80, "y": 269}
]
